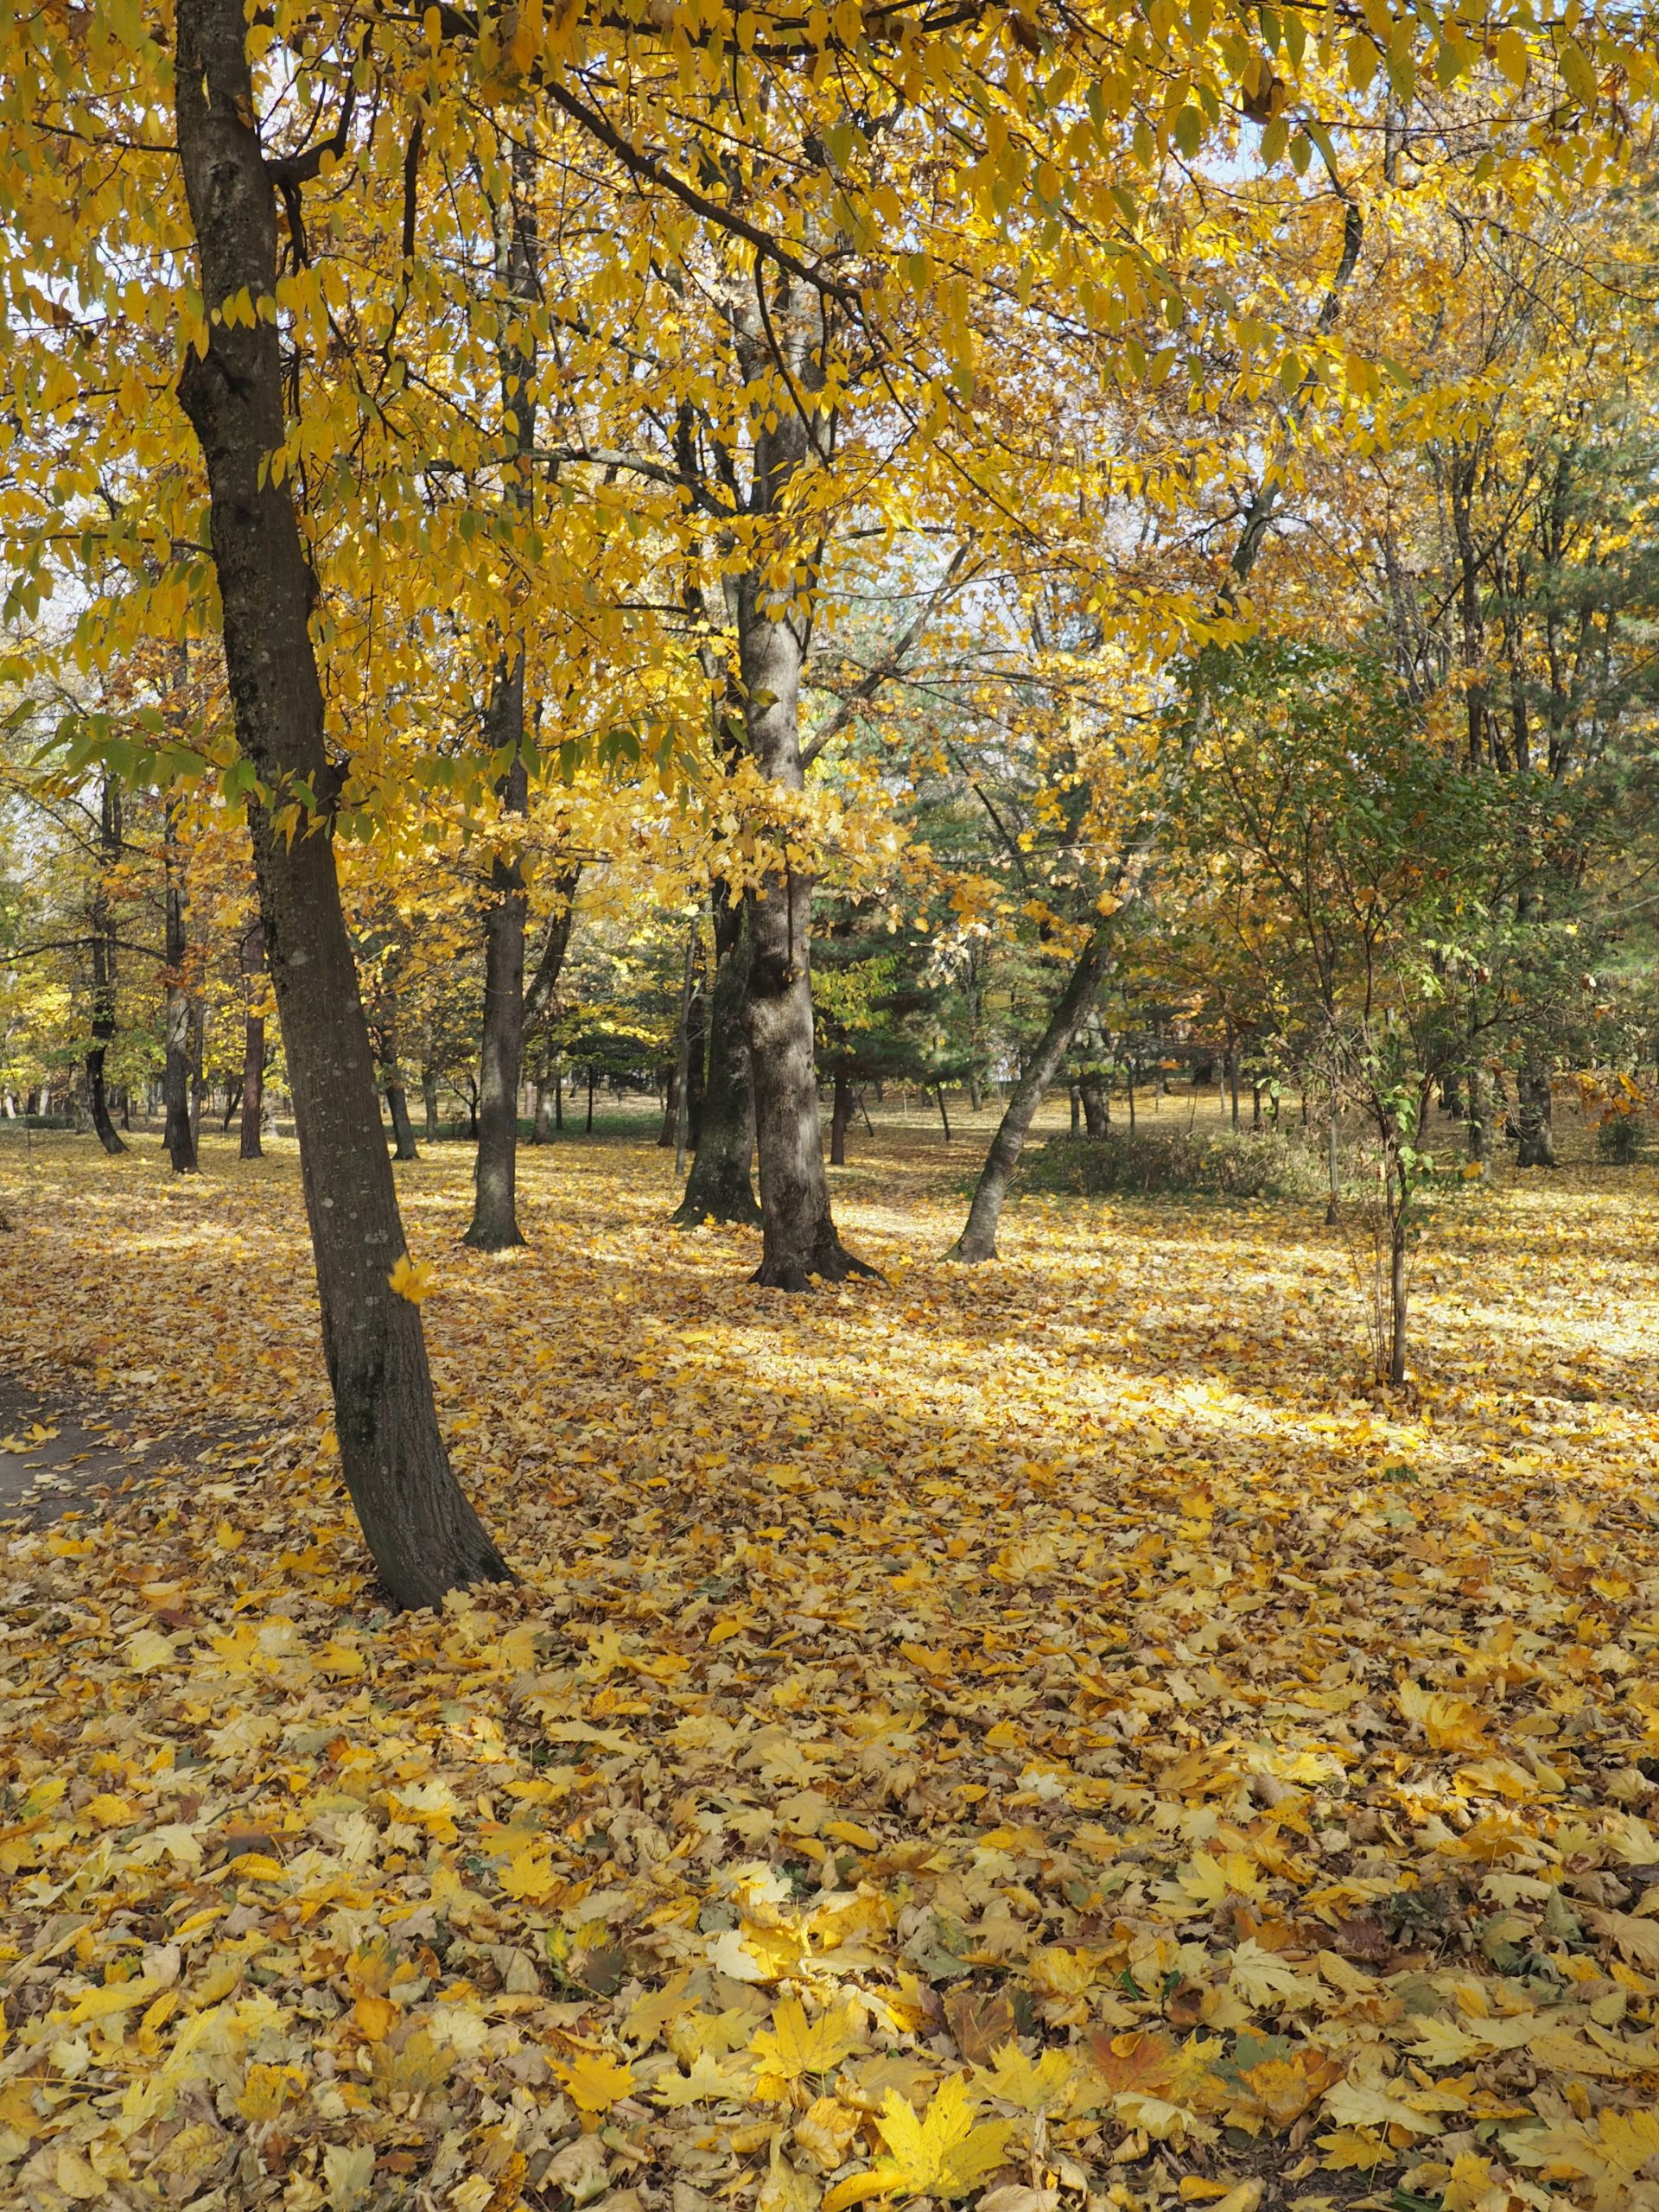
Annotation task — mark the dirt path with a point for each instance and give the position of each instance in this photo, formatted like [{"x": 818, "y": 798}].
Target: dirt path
[{"x": 59, "y": 1459}]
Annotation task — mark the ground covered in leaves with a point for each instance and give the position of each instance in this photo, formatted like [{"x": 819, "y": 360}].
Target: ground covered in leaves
[{"x": 1040, "y": 1734}]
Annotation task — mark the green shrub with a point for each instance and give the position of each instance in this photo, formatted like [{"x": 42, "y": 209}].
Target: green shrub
[
  {"x": 1151, "y": 1161},
  {"x": 1622, "y": 1139}
]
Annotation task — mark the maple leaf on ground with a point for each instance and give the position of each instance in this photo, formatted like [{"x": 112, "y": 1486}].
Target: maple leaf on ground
[
  {"x": 1043, "y": 2084},
  {"x": 1138, "y": 2064},
  {"x": 793, "y": 2046},
  {"x": 945, "y": 2151},
  {"x": 1451, "y": 1724},
  {"x": 595, "y": 2082}
]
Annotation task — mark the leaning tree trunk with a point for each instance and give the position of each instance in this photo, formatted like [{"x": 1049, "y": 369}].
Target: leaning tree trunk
[
  {"x": 978, "y": 1239},
  {"x": 176, "y": 1016},
  {"x": 424, "y": 1536},
  {"x": 719, "y": 1187},
  {"x": 103, "y": 953},
  {"x": 253, "y": 1045},
  {"x": 404, "y": 1145},
  {"x": 1532, "y": 1115},
  {"x": 798, "y": 1238}
]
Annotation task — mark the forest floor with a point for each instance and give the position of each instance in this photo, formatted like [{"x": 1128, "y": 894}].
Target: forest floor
[{"x": 1047, "y": 1733}]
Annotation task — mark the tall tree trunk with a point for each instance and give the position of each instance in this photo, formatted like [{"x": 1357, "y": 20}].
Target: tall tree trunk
[
  {"x": 1096, "y": 1120},
  {"x": 978, "y": 1239},
  {"x": 1478, "y": 1125},
  {"x": 1397, "y": 1276},
  {"x": 175, "y": 1018},
  {"x": 494, "y": 1224},
  {"x": 798, "y": 1238},
  {"x": 841, "y": 1112},
  {"x": 403, "y": 1129},
  {"x": 429, "y": 1101},
  {"x": 719, "y": 1187},
  {"x": 198, "y": 1059},
  {"x": 104, "y": 964},
  {"x": 253, "y": 1044},
  {"x": 424, "y": 1536},
  {"x": 696, "y": 1049},
  {"x": 1532, "y": 1114}
]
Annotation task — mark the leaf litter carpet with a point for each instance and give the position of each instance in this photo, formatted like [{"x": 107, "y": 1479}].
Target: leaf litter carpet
[{"x": 1042, "y": 1735}]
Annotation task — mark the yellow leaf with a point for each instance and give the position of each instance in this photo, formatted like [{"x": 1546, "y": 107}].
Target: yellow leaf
[
  {"x": 267, "y": 2089},
  {"x": 148, "y": 1650},
  {"x": 530, "y": 1876},
  {"x": 117, "y": 1997},
  {"x": 1035, "y": 2084},
  {"x": 374, "y": 2017},
  {"x": 596, "y": 2081},
  {"x": 1451, "y": 1724},
  {"x": 946, "y": 2153},
  {"x": 415, "y": 1279},
  {"x": 791, "y": 2047}
]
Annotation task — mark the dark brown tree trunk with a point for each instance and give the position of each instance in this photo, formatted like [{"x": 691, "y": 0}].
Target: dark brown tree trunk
[
  {"x": 670, "y": 1110},
  {"x": 175, "y": 1013},
  {"x": 798, "y": 1238},
  {"x": 938, "y": 1092},
  {"x": 403, "y": 1131},
  {"x": 589, "y": 1131},
  {"x": 696, "y": 1052},
  {"x": 1077, "y": 1110},
  {"x": 1532, "y": 1117},
  {"x": 978, "y": 1239},
  {"x": 429, "y": 1102},
  {"x": 253, "y": 1046},
  {"x": 424, "y": 1537},
  {"x": 841, "y": 1112},
  {"x": 720, "y": 1186},
  {"x": 198, "y": 1033},
  {"x": 494, "y": 1224},
  {"x": 1095, "y": 1119},
  {"x": 104, "y": 964}
]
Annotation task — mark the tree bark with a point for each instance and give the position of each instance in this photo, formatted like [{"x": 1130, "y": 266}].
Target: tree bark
[
  {"x": 978, "y": 1239},
  {"x": 103, "y": 967},
  {"x": 494, "y": 1224},
  {"x": 1532, "y": 1115},
  {"x": 841, "y": 1112},
  {"x": 696, "y": 1049},
  {"x": 429, "y": 1102},
  {"x": 719, "y": 1187},
  {"x": 175, "y": 1017},
  {"x": 1096, "y": 1120},
  {"x": 403, "y": 1131},
  {"x": 424, "y": 1536},
  {"x": 253, "y": 1046},
  {"x": 798, "y": 1239}
]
